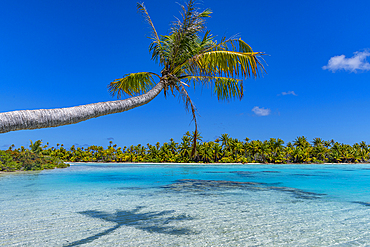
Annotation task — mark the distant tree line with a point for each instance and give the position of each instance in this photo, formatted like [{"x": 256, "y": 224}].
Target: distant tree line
[
  {"x": 222, "y": 150},
  {"x": 31, "y": 159}
]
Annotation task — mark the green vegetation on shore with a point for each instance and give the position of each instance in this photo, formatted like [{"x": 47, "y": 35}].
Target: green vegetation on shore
[
  {"x": 28, "y": 159},
  {"x": 223, "y": 150}
]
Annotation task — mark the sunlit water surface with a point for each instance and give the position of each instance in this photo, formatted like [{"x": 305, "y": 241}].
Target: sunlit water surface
[{"x": 187, "y": 205}]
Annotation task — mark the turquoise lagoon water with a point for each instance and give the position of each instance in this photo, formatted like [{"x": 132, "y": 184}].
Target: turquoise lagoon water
[{"x": 187, "y": 205}]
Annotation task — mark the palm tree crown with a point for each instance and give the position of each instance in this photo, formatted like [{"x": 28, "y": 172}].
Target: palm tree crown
[{"x": 191, "y": 56}]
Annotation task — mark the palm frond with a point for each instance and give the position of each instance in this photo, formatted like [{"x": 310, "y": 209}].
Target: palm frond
[
  {"x": 132, "y": 84},
  {"x": 156, "y": 46},
  {"x": 228, "y": 88},
  {"x": 226, "y": 64},
  {"x": 231, "y": 44},
  {"x": 192, "y": 20},
  {"x": 244, "y": 47},
  {"x": 225, "y": 88},
  {"x": 208, "y": 45},
  {"x": 184, "y": 37},
  {"x": 207, "y": 41},
  {"x": 190, "y": 106},
  {"x": 142, "y": 9}
]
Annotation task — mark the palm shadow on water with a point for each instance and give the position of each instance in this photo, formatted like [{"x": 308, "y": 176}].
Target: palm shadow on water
[{"x": 154, "y": 222}]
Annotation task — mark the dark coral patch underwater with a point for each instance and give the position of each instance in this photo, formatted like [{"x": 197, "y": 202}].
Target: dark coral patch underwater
[
  {"x": 363, "y": 203},
  {"x": 198, "y": 185}
]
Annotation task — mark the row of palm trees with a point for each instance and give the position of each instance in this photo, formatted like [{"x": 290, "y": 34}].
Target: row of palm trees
[{"x": 222, "y": 150}]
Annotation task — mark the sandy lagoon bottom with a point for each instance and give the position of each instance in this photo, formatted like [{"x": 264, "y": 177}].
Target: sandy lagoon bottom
[{"x": 187, "y": 205}]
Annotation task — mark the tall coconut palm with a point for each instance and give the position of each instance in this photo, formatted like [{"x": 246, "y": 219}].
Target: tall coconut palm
[{"x": 190, "y": 56}]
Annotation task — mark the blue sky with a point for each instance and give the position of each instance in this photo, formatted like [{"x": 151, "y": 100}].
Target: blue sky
[{"x": 64, "y": 53}]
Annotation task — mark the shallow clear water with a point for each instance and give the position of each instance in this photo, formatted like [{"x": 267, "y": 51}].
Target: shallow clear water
[{"x": 187, "y": 205}]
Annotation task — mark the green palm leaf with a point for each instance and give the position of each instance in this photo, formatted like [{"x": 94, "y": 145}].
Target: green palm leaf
[
  {"x": 132, "y": 84},
  {"x": 228, "y": 88},
  {"x": 231, "y": 44},
  {"x": 156, "y": 46},
  {"x": 224, "y": 87},
  {"x": 226, "y": 63},
  {"x": 142, "y": 9}
]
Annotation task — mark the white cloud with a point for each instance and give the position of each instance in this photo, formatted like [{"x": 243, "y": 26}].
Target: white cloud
[
  {"x": 352, "y": 64},
  {"x": 289, "y": 92},
  {"x": 261, "y": 111}
]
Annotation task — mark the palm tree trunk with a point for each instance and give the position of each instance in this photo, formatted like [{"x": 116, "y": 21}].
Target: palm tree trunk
[{"x": 45, "y": 118}]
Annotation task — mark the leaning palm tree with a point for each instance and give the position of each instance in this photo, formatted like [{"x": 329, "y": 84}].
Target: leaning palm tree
[{"x": 190, "y": 57}]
